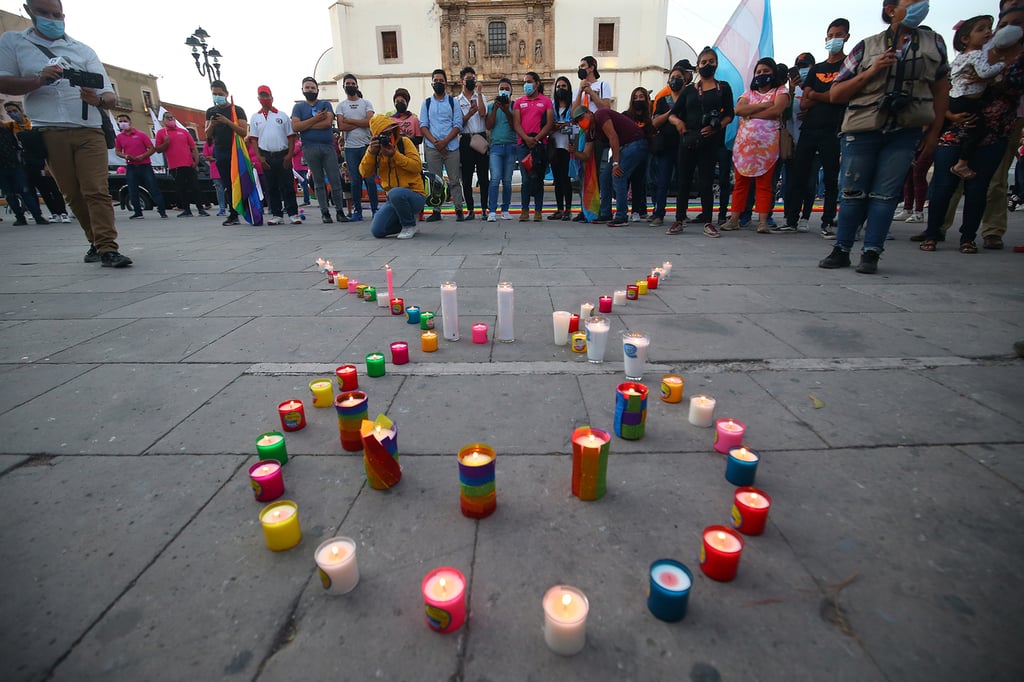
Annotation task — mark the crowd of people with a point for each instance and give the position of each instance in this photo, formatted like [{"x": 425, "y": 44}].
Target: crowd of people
[{"x": 862, "y": 129}]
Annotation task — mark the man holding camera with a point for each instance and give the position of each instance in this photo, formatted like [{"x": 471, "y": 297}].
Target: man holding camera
[
  {"x": 76, "y": 145},
  {"x": 393, "y": 157}
]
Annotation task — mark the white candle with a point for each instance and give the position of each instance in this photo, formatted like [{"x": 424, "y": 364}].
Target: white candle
[
  {"x": 755, "y": 500},
  {"x": 280, "y": 513},
  {"x": 565, "y": 619},
  {"x": 634, "y": 353},
  {"x": 597, "y": 338},
  {"x": 723, "y": 542},
  {"x": 619, "y": 297},
  {"x": 702, "y": 410},
  {"x": 450, "y": 311},
  {"x": 336, "y": 559},
  {"x": 586, "y": 310},
  {"x": 560, "y": 321},
  {"x": 743, "y": 453},
  {"x": 667, "y": 267},
  {"x": 506, "y": 313},
  {"x": 671, "y": 578},
  {"x": 270, "y": 440},
  {"x": 265, "y": 469}
]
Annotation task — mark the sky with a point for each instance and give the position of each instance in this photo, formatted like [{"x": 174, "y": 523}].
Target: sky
[{"x": 150, "y": 37}]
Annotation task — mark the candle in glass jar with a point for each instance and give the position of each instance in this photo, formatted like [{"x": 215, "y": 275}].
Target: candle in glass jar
[
  {"x": 399, "y": 353},
  {"x": 330, "y": 276},
  {"x": 375, "y": 365},
  {"x": 565, "y": 619},
  {"x": 641, "y": 287},
  {"x": 280, "y": 523},
  {"x": 266, "y": 480},
  {"x": 336, "y": 563},
  {"x": 271, "y": 446},
  {"x": 450, "y": 311},
  {"x": 750, "y": 510},
  {"x": 702, "y": 410},
  {"x": 597, "y": 338},
  {"x": 477, "y": 493},
  {"x": 370, "y": 293},
  {"x": 412, "y": 314},
  {"x": 632, "y": 292},
  {"x": 741, "y": 466},
  {"x": 720, "y": 551},
  {"x": 672, "y": 388},
  {"x": 578, "y": 342},
  {"x": 341, "y": 281},
  {"x": 397, "y": 306},
  {"x": 348, "y": 378},
  {"x": 323, "y": 394},
  {"x": 604, "y": 303},
  {"x": 428, "y": 341},
  {"x": 586, "y": 310},
  {"x": 444, "y": 599},
  {"x": 505, "y": 331},
  {"x": 652, "y": 281},
  {"x": 574, "y": 323},
  {"x": 479, "y": 330},
  {"x": 560, "y": 322},
  {"x": 619, "y": 297},
  {"x": 353, "y": 286},
  {"x": 669, "y": 590},
  {"x": 292, "y": 414},
  {"x": 426, "y": 320},
  {"x": 728, "y": 435},
  {"x": 667, "y": 270}
]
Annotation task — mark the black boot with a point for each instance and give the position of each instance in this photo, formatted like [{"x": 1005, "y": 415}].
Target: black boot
[{"x": 837, "y": 259}]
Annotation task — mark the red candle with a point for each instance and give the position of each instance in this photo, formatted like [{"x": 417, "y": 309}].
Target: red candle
[
  {"x": 267, "y": 481},
  {"x": 604, "y": 304},
  {"x": 330, "y": 276},
  {"x": 632, "y": 292},
  {"x": 399, "y": 353},
  {"x": 348, "y": 380},
  {"x": 750, "y": 510},
  {"x": 397, "y": 305},
  {"x": 574, "y": 323},
  {"x": 479, "y": 332},
  {"x": 720, "y": 553},
  {"x": 652, "y": 282},
  {"x": 293, "y": 416}
]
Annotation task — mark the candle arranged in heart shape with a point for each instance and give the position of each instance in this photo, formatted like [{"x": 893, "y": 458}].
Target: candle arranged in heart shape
[
  {"x": 292, "y": 414},
  {"x": 479, "y": 332},
  {"x": 590, "y": 448},
  {"x": 478, "y": 496},
  {"x": 702, "y": 410},
  {"x": 444, "y": 597},
  {"x": 323, "y": 394},
  {"x": 352, "y": 408},
  {"x": 450, "y": 311},
  {"x": 505, "y": 331},
  {"x": 741, "y": 466},
  {"x": 271, "y": 446},
  {"x": 412, "y": 314},
  {"x": 380, "y": 452},
  {"x": 399, "y": 353},
  {"x": 428, "y": 341},
  {"x": 348, "y": 378},
  {"x": 720, "y": 553},
  {"x": 750, "y": 510},
  {"x": 672, "y": 388},
  {"x": 280, "y": 523},
  {"x": 728, "y": 434},
  {"x": 565, "y": 619},
  {"x": 266, "y": 479}
]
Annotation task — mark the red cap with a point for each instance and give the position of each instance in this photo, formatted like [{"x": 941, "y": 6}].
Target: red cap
[{"x": 263, "y": 90}]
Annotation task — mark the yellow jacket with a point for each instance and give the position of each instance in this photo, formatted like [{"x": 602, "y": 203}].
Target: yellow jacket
[{"x": 404, "y": 169}]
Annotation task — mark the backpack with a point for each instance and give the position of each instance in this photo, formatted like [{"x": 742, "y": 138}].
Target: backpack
[{"x": 451, "y": 103}]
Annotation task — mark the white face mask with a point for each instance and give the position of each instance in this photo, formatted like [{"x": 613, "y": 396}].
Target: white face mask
[{"x": 124, "y": 125}]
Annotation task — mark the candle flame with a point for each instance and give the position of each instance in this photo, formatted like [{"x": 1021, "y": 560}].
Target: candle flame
[
  {"x": 276, "y": 514},
  {"x": 443, "y": 585},
  {"x": 566, "y": 600},
  {"x": 721, "y": 536},
  {"x": 334, "y": 550}
]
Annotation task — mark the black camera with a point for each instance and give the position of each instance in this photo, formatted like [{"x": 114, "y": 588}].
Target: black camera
[
  {"x": 385, "y": 140},
  {"x": 501, "y": 99},
  {"x": 714, "y": 119},
  {"x": 895, "y": 102},
  {"x": 83, "y": 79}
]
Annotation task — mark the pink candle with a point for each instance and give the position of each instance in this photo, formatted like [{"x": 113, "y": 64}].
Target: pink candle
[
  {"x": 444, "y": 591},
  {"x": 391, "y": 286},
  {"x": 352, "y": 284},
  {"x": 480, "y": 332},
  {"x": 399, "y": 353},
  {"x": 604, "y": 304},
  {"x": 728, "y": 435}
]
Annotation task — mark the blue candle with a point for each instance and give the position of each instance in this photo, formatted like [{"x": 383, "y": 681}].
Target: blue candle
[
  {"x": 741, "y": 466},
  {"x": 669, "y": 590},
  {"x": 413, "y": 314}
]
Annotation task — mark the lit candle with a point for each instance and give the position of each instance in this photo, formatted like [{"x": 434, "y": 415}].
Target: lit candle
[
  {"x": 352, "y": 408},
  {"x": 750, "y": 510},
  {"x": 630, "y": 416},
  {"x": 505, "y": 332},
  {"x": 361, "y": 290},
  {"x": 728, "y": 435},
  {"x": 428, "y": 341},
  {"x": 266, "y": 480},
  {"x": 702, "y": 410},
  {"x": 348, "y": 378},
  {"x": 412, "y": 314},
  {"x": 720, "y": 551},
  {"x": 399, "y": 353},
  {"x": 292, "y": 415},
  {"x": 336, "y": 563},
  {"x": 380, "y": 452},
  {"x": 741, "y": 466},
  {"x": 652, "y": 281},
  {"x": 330, "y": 276},
  {"x": 560, "y": 321},
  {"x": 586, "y": 310},
  {"x": 323, "y": 395},
  {"x": 667, "y": 268},
  {"x": 397, "y": 306},
  {"x": 353, "y": 286},
  {"x": 590, "y": 448},
  {"x": 375, "y": 365},
  {"x": 641, "y": 287},
  {"x": 370, "y": 293},
  {"x": 574, "y": 323},
  {"x": 341, "y": 281},
  {"x": 634, "y": 353},
  {"x": 271, "y": 446},
  {"x": 477, "y": 492},
  {"x": 619, "y": 297},
  {"x": 479, "y": 332},
  {"x": 604, "y": 303},
  {"x": 450, "y": 311},
  {"x": 632, "y": 292},
  {"x": 280, "y": 523},
  {"x": 391, "y": 290},
  {"x": 597, "y": 338},
  {"x": 659, "y": 273},
  {"x": 444, "y": 599},
  {"x": 426, "y": 320},
  {"x": 669, "y": 591},
  {"x": 565, "y": 619},
  {"x": 672, "y": 388}
]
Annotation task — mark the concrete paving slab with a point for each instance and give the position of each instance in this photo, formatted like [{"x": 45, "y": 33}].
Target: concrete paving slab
[
  {"x": 35, "y": 340},
  {"x": 171, "y": 260},
  {"x": 268, "y": 303},
  {"x": 112, "y": 281},
  {"x": 174, "y": 304},
  {"x": 934, "y": 559},
  {"x": 140, "y": 404},
  {"x": 78, "y": 550},
  {"x": 22, "y": 383},
  {"x": 699, "y": 273},
  {"x": 927, "y": 298},
  {"x": 1004, "y": 460},
  {"x": 823, "y": 298},
  {"x": 885, "y": 408},
  {"x": 707, "y": 337},
  {"x": 554, "y": 277},
  {"x": 685, "y": 298},
  {"x": 9, "y": 462},
  {"x": 216, "y": 591},
  {"x": 571, "y": 297},
  {"x": 972, "y": 335},
  {"x": 995, "y": 387},
  {"x": 480, "y": 277},
  {"x": 283, "y": 339},
  {"x": 196, "y": 282},
  {"x": 279, "y": 282},
  {"x": 498, "y": 261},
  {"x": 41, "y": 306},
  {"x": 844, "y": 334},
  {"x": 168, "y": 340},
  {"x": 559, "y": 260},
  {"x": 384, "y": 329},
  {"x": 34, "y": 283}
]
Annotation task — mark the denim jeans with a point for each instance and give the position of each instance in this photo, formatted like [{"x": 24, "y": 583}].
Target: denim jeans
[
  {"x": 322, "y": 161},
  {"x": 401, "y": 210},
  {"x": 663, "y": 164},
  {"x": 871, "y": 180},
  {"x": 631, "y": 157},
  {"x": 143, "y": 173},
  {"x": 352, "y": 159},
  {"x": 984, "y": 162},
  {"x": 20, "y": 197},
  {"x": 503, "y": 161},
  {"x": 218, "y": 185}
]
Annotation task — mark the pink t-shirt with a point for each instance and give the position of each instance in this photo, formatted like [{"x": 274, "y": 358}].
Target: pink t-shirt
[
  {"x": 531, "y": 112},
  {"x": 133, "y": 143},
  {"x": 179, "y": 153},
  {"x": 297, "y": 162},
  {"x": 409, "y": 123},
  {"x": 208, "y": 155},
  {"x": 756, "y": 148}
]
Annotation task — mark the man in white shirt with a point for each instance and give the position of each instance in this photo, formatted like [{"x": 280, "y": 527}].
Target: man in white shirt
[
  {"x": 354, "y": 114},
  {"x": 275, "y": 140},
  {"x": 473, "y": 152}
]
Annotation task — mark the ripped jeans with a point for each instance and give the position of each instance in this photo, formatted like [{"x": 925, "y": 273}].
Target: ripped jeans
[{"x": 874, "y": 167}]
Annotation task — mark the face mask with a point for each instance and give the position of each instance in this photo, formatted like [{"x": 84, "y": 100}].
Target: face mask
[
  {"x": 834, "y": 46},
  {"x": 505, "y": 93},
  {"x": 439, "y": 88},
  {"x": 676, "y": 84},
  {"x": 916, "y": 13},
  {"x": 762, "y": 81},
  {"x": 471, "y": 85},
  {"x": 170, "y": 124},
  {"x": 639, "y": 105},
  {"x": 528, "y": 88},
  {"x": 562, "y": 95},
  {"x": 219, "y": 100},
  {"x": 124, "y": 125},
  {"x": 584, "y": 124},
  {"x": 401, "y": 106},
  {"x": 310, "y": 96},
  {"x": 708, "y": 70},
  {"x": 582, "y": 73},
  {"x": 15, "y": 116},
  {"x": 49, "y": 28},
  {"x": 351, "y": 90},
  {"x": 803, "y": 73}
]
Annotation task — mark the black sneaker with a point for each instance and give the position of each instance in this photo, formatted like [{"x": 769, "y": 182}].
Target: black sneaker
[
  {"x": 40, "y": 220},
  {"x": 112, "y": 259},
  {"x": 459, "y": 216},
  {"x": 91, "y": 256},
  {"x": 163, "y": 214},
  {"x": 187, "y": 214},
  {"x": 868, "y": 263},
  {"x": 203, "y": 213},
  {"x": 580, "y": 218},
  {"x": 19, "y": 222},
  {"x": 232, "y": 220},
  {"x": 326, "y": 217},
  {"x": 469, "y": 214},
  {"x": 340, "y": 217},
  {"x": 837, "y": 259},
  {"x": 434, "y": 217},
  {"x": 136, "y": 216},
  {"x": 601, "y": 219},
  {"x": 699, "y": 220}
]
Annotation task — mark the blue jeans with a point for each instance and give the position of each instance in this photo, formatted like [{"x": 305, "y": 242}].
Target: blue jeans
[
  {"x": 871, "y": 179},
  {"x": 322, "y": 160},
  {"x": 663, "y": 164},
  {"x": 143, "y": 173},
  {"x": 985, "y": 161},
  {"x": 503, "y": 161},
  {"x": 218, "y": 185},
  {"x": 352, "y": 159},
  {"x": 631, "y": 157},
  {"x": 401, "y": 210}
]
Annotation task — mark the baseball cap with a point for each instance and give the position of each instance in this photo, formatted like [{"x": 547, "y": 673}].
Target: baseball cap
[
  {"x": 264, "y": 90},
  {"x": 578, "y": 112}
]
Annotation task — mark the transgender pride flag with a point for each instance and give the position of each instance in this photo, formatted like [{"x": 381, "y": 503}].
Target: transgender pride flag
[{"x": 745, "y": 39}]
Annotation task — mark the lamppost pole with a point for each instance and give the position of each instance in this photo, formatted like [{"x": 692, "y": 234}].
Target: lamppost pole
[{"x": 197, "y": 41}]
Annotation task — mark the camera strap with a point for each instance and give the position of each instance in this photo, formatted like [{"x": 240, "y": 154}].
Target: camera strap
[{"x": 85, "y": 105}]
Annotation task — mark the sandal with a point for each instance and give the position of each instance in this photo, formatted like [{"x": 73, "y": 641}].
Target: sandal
[
  {"x": 963, "y": 173},
  {"x": 676, "y": 228},
  {"x": 928, "y": 245},
  {"x": 968, "y": 247}
]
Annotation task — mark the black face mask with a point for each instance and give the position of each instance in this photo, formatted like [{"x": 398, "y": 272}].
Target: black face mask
[
  {"x": 401, "y": 106},
  {"x": 762, "y": 81},
  {"x": 582, "y": 73},
  {"x": 676, "y": 84},
  {"x": 310, "y": 96},
  {"x": 351, "y": 90},
  {"x": 639, "y": 105},
  {"x": 708, "y": 70},
  {"x": 471, "y": 85},
  {"x": 439, "y": 88},
  {"x": 562, "y": 95}
]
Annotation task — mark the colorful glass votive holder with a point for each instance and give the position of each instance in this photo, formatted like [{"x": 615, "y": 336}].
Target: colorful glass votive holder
[
  {"x": 331, "y": 274},
  {"x": 348, "y": 378},
  {"x": 380, "y": 452},
  {"x": 292, "y": 414},
  {"x": 397, "y": 306},
  {"x": 370, "y": 294},
  {"x": 399, "y": 353},
  {"x": 353, "y": 286},
  {"x": 632, "y": 292},
  {"x": 720, "y": 551},
  {"x": 578, "y": 341},
  {"x": 477, "y": 493},
  {"x": 479, "y": 330},
  {"x": 412, "y": 314},
  {"x": 444, "y": 598},
  {"x": 750, "y": 510},
  {"x": 672, "y": 388},
  {"x": 428, "y": 341},
  {"x": 341, "y": 281},
  {"x": 352, "y": 408},
  {"x": 267, "y": 480},
  {"x": 728, "y": 434},
  {"x": 271, "y": 446},
  {"x": 323, "y": 392},
  {"x": 630, "y": 410},
  {"x": 604, "y": 304},
  {"x": 574, "y": 323},
  {"x": 375, "y": 365},
  {"x": 741, "y": 466},
  {"x": 641, "y": 287},
  {"x": 361, "y": 290},
  {"x": 337, "y": 565},
  {"x": 669, "y": 592},
  {"x": 652, "y": 282},
  {"x": 426, "y": 320},
  {"x": 590, "y": 448},
  {"x": 280, "y": 523}
]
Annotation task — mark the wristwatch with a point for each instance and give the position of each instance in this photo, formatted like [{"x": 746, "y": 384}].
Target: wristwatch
[{"x": 615, "y": 163}]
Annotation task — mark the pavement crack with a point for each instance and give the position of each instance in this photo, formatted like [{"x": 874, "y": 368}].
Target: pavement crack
[{"x": 460, "y": 662}]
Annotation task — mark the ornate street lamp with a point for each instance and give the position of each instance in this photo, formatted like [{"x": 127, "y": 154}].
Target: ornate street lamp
[{"x": 197, "y": 41}]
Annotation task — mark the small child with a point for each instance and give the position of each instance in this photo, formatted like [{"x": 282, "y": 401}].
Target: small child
[{"x": 971, "y": 72}]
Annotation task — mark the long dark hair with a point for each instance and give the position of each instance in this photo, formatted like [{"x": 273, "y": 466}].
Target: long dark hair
[
  {"x": 641, "y": 118},
  {"x": 770, "y": 63},
  {"x": 554, "y": 94}
]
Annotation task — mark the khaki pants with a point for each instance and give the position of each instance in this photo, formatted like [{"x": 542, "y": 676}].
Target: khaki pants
[{"x": 78, "y": 162}]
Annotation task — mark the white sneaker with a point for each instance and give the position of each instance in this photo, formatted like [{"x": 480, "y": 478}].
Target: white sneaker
[
  {"x": 64, "y": 218},
  {"x": 407, "y": 232},
  {"x": 295, "y": 220},
  {"x": 505, "y": 215},
  {"x": 902, "y": 214},
  {"x": 54, "y": 218},
  {"x": 274, "y": 221},
  {"x": 635, "y": 218},
  {"x": 801, "y": 225},
  {"x": 915, "y": 217},
  {"x": 492, "y": 217}
]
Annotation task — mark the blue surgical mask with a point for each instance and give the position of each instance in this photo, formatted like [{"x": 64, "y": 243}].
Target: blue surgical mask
[
  {"x": 50, "y": 28},
  {"x": 803, "y": 73},
  {"x": 528, "y": 88},
  {"x": 835, "y": 45},
  {"x": 916, "y": 14},
  {"x": 219, "y": 100}
]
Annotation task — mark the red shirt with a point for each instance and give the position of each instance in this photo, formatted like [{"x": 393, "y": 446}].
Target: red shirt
[
  {"x": 179, "y": 152},
  {"x": 133, "y": 143}
]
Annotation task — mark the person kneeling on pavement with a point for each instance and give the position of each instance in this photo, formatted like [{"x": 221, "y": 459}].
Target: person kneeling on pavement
[{"x": 393, "y": 157}]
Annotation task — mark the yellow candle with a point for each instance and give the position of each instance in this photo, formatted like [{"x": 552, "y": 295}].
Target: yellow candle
[
  {"x": 342, "y": 281},
  {"x": 280, "y": 522},
  {"x": 428, "y": 341},
  {"x": 641, "y": 286},
  {"x": 323, "y": 395}
]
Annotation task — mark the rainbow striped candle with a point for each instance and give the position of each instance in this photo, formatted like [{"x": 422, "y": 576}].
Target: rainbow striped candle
[
  {"x": 352, "y": 407},
  {"x": 380, "y": 452},
  {"x": 477, "y": 494},
  {"x": 630, "y": 410},
  {"x": 589, "y": 462}
]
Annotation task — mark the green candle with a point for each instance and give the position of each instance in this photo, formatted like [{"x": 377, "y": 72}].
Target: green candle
[
  {"x": 426, "y": 320},
  {"x": 375, "y": 365},
  {"x": 271, "y": 446},
  {"x": 370, "y": 294}
]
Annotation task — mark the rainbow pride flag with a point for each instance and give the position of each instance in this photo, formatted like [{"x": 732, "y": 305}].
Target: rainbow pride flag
[
  {"x": 589, "y": 185},
  {"x": 246, "y": 193}
]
